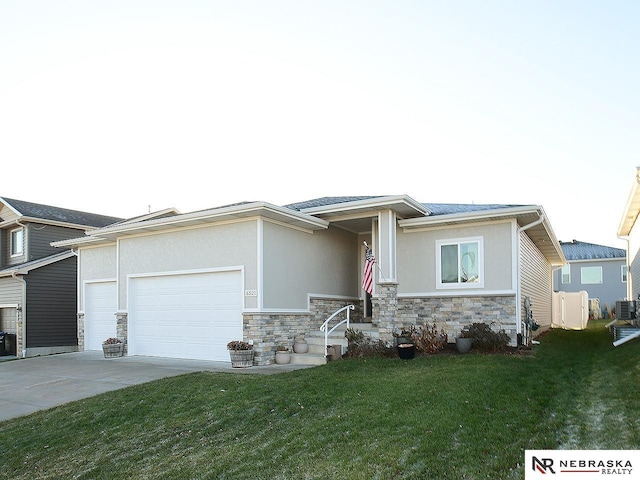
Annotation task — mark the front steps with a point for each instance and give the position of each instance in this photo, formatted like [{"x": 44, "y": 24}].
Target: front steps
[{"x": 317, "y": 355}]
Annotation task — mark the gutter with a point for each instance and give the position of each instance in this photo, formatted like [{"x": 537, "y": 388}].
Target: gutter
[{"x": 21, "y": 313}]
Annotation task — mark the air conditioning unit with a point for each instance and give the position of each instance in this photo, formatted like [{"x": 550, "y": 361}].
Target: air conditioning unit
[{"x": 626, "y": 309}]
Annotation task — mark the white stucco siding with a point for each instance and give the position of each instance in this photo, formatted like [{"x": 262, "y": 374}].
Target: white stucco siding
[
  {"x": 536, "y": 280},
  {"x": 229, "y": 245},
  {"x": 417, "y": 257},
  {"x": 297, "y": 263},
  {"x": 95, "y": 264}
]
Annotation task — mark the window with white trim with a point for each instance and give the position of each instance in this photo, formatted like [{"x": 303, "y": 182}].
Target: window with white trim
[
  {"x": 460, "y": 263},
  {"x": 17, "y": 242},
  {"x": 566, "y": 273},
  {"x": 590, "y": 275},
  {"x": 623, "y": 273}
]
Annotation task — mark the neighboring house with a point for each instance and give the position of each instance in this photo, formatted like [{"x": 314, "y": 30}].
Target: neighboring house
[
  {"x": 186, "y": 284},
  {"x": 38, "y": 302},
  {"x": 599, "y": 270}
]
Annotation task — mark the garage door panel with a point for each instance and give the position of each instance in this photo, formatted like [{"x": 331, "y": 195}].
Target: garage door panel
[
  {"x": 186, "y": 315},
  {"x": 100, "y": 305}
]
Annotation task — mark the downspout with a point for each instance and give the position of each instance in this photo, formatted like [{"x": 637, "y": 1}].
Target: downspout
[
  {"x": 540, "y": 219},
  {"x": 21, "y": 311}
]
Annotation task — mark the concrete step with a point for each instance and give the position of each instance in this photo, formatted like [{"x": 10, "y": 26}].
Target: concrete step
[{"x": 308, "y": 359}]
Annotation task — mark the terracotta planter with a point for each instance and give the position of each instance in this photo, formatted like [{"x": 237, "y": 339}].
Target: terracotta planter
[{"x": 241, "y": 358}]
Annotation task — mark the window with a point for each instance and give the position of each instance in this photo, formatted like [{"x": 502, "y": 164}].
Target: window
[
  {"x": 590, "y": 275},
  {"x": 460, "y": 263},
  {"x": 17, "y": 242},
  {"x": 566, "y": 273},
  {"x": 624, "y": 273}
]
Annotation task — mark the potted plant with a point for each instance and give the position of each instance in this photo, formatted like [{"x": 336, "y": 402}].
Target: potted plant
[
  {"x": 300, "y": 345},
  {"x": 404, "y": 343},
  {"x": 241, "y": 353},
  {"x": 464, "y": 340},
  {"x": 283, "y": 356},
  {"x": 112, "y": 348}
]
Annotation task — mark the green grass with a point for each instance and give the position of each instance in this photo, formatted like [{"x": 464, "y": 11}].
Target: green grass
[{"x": 445, "y": 416}]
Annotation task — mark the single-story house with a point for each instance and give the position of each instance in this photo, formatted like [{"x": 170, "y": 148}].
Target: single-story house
[
  {"x": 599, "y": 270},
  {"x": 629, "y": 230},
  {"x": 184, "y": 285},
  {"x": 38, "y": 302}
]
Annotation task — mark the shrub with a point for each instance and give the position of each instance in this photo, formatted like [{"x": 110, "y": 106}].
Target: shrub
[
  {"x": 361, "y": 345},
  {"x": 239, "y": 345},
  {"x": 485, "y": 339},
  {"x": 427, "y": 340}
]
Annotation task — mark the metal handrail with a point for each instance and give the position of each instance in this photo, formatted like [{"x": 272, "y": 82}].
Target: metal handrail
[{"x": 324, "y": 326}]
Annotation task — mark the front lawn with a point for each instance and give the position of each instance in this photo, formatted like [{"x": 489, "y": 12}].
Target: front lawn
[{"x": 444, "y": 416}]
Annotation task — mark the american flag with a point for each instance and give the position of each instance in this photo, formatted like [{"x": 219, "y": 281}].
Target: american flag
[{"x": 367, "y": 276}]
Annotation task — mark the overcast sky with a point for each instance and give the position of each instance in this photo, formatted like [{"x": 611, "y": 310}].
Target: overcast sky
[{"x": 116, "y": 107}]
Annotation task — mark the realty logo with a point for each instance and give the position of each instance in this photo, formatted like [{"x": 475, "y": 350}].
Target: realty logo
[{"x": 542, "y": 465}]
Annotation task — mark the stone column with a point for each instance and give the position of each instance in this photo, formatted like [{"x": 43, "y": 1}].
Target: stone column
[
  {"x": 80, "y": 331},
  {"x": 122, "y": 329},
  {"x": 385, "y": 310}
]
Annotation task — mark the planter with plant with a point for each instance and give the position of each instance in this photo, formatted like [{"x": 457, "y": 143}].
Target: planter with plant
[
  {"x": 113, "y": 348},
  {"x": 300, "y": 345},
  {"x": 283, "y": 356},
  {"x": 241, "y": 354},
  {"x": 464, "y": 341},
  {"x": 485, "y": 339}
]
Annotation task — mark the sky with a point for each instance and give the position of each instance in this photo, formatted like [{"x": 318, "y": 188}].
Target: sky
[{"x": 122, "y": 107}]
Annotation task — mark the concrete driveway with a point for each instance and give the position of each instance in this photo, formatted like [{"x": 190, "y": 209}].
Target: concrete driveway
[{"x": 32, "y": 384}]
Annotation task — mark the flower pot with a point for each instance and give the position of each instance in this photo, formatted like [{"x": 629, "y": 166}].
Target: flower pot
[
  {"x": 463, "y": 344},
  {"x": 301, "y": 346},
  {"x": 241, "y": 358},
  {"x": 112, "y": 350},
  {"x": 282, "y": 357},
  {"x": 406, "y": 351}
]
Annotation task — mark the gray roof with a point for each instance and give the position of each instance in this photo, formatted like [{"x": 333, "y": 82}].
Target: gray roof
[
  {"x": 576, "y": 250},
  {"x": 321, "y": 202},
  {"x": 450, "y": 208},
  {"x": 56, "y": 214},
  {"x": 435, "y": 208}
]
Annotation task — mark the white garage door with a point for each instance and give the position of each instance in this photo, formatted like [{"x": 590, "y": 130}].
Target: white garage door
[
  {"x": 190, "y": 315},
  {"x": 100, "y": 305}
]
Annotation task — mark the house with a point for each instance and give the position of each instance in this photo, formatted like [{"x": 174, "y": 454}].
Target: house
[
  {"x": 38, "y": 301},
  {"x": 629, "y": 230},
  {"x": 184, "y": 285},
  {"x": 599, "y": 270}
]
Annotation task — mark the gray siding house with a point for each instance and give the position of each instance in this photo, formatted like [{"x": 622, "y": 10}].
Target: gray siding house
[
  {"x": 184, "y": 285},
  {"x": 38, "y": 293},
  {"x": 599, "y": 270}
]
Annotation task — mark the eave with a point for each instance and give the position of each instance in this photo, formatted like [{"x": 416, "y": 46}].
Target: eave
[
  {"x": 530, "y": 217},
  {"x": 229, "y": 213},
  {"x": 403, "y": 205},
  {"x": 631, "y": 209}
]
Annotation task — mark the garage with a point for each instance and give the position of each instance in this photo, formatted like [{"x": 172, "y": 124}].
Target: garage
[
  {"x": 100, "y": 307},
  {"x": 185, "y": 315}
]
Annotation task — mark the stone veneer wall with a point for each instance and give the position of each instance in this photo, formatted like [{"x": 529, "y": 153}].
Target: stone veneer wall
[
  {"x": 455, "y": 313},
  {"x": 268, "y": 330},
  {"x": 80, "y": 332},
  {"x": 122, "y": 329}
]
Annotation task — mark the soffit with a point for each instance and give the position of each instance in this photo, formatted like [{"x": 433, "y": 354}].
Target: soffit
[{"x": 632, "y": 209}]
